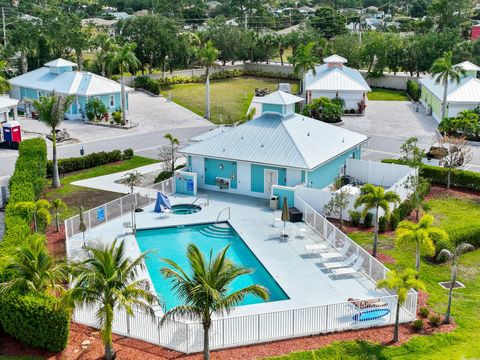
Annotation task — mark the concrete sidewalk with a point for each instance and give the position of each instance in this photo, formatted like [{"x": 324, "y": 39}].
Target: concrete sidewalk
[{"x": 108, "y": 182}]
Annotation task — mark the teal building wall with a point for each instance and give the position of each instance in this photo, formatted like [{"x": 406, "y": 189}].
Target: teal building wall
[
  {"x": 220, "y": 168},
  {"x": 327, "y": 173},
  {"x": 258, "y": 179}
]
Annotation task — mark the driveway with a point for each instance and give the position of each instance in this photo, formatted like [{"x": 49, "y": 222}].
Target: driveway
[
  {"x": 151, "y": 113},
  {"x": 393, "y": 119}
]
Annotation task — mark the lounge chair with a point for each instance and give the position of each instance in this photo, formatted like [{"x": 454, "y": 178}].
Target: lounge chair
[
  {"x": 314, "y": 248},
  {"x": 340, "y": 264},
  {"x": 349, "y": 270},
  {"x": 337, "y": 254}
]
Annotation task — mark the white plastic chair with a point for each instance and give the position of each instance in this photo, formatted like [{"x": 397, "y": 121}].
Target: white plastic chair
[
  {"x": 349, "y": 270},
  {"x": 340, "y": 264},
  {"x": 337, "y": 254}
]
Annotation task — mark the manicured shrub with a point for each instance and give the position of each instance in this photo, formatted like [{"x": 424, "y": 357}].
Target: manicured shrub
[
  {"x": 90, "y": 160},
  {"x": 382, "y": 223},
  {"x": 424, "y": 312},
  {"x": 394, "y": 220},
  {"x": 435, "y": 320},
  {"x": 127, "y": 154},
  {"x": 368, "y": 220},
  {"x": 413, "y": 89},
  {"x": 469, "y": 234},
  {"x": 147, "y": 83},
  {"x": 34, "y": 320},
  {"x": 164, "y": 175},
  {"x": 355, "y": 217},
  {"x": 418, "y": 325}
]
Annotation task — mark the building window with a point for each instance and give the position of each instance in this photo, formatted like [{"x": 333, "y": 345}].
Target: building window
[{"x": 112, "y": 100}]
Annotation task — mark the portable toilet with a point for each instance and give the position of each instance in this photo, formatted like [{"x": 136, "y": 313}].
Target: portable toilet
[{"x": 12, "y": 132}]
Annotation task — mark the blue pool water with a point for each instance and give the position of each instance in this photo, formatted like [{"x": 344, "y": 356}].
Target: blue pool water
[{"x": 172, "y": 243}]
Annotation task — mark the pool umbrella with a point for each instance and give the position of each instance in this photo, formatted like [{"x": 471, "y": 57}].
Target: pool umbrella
[
  {"x": 285, "y": 215},
  {"x": 82, "y": 227}
]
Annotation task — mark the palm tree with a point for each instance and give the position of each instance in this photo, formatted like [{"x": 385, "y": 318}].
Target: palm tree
[
  {"x": 58, "y": 207},
  {"x": 206, "y": 290},
  {"x": 51, "y": 111},
  {"x": 32, "y": 269},
  {"x": 423, "y": 234},
  {"x": 207, "y": 56},
  {"x": 107, "y": 277},
  {"x": 401, "y": 283},
  {"x": 123, "y": 59},
  {"x": 375, "y": 197},
  {"x": 174, "y": 142},
  {"x": 445, "y": 72},
  {"x": 303, "y": 60},
  {"x": 454, "y": 258},
  {"x": 4, "y": 84},
  {"x": 132, "y": 179},
  {"x": 37, "y": 211}
]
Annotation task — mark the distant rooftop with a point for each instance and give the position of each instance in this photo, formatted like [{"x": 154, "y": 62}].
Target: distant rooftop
[
  {"x": 60, "y": 63},
  {"x": 467, "y": 66},
  {"x": 279, "y": 98},
  {"x": 335, "y": 59}
]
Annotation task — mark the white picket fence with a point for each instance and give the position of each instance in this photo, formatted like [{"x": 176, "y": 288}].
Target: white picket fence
[{"x": 231, "y": 331}]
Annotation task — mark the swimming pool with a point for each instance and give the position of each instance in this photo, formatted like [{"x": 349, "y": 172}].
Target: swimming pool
[
  {"x": 172, "y": 243},
  {"x": 185, "y": 209}
]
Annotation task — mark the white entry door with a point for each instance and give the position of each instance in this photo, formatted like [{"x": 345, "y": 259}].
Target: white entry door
[{"x": 270, "y": 179}]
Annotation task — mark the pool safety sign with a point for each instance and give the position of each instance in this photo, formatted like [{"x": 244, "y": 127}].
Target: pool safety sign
[{"x": 101, "y": 214}]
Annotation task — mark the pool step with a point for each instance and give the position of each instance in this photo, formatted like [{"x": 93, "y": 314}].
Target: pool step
[{"x": 220, "y": 231}]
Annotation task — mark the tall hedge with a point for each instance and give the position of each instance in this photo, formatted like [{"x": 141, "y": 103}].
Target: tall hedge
[
  {"x": 413, "y": 89},
  {"x": 30, "y": 318},
  {"x": 438, "y": 175},
  {"x": 34, "y": 320},
  {"x": 88, "y": 161}
]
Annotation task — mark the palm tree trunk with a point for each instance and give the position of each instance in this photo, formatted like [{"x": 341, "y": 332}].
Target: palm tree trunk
[
  {"x": 417, "y": 258},
  {"x": 109, "y": 353},
  {"x": 450, "y": 295},
  {"x": 207, "y": 94},
  {"x": 57, "y": 222},
  {"x": 24, "y": 61},
  {"x": 103, "y": 66},
  {"x": 397, "y": 320},
  {"x": 444, "y": 104},
  {"x": 124, "y": 100},
  {"x": 55, "y": 175},
  {"x": 448, "y": 177},
  {"x": 206, "y": 342},
  {"x": 79, "y": 59},
  {"x": 35, "y": 228},
  {"x": 375, "y": 235}
]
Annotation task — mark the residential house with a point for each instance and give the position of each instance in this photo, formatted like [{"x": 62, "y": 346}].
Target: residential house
[
  {"x": 59, "y": 76},
  {"x": 101, "y": 24},
  {"x": 461, "y": 96},
  {"x": 277, "y": 149},
  {"x": 334, "y": 79}
]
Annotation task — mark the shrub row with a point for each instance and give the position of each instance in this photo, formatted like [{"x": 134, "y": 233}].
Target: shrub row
[
  {"x": 34, "y": 320},
  {"x": 89, "y": 161},
  {"x": 413, "y": 89},
  {"x": 31, "y": 318},
  {"x": 438, "y": 175},
  {"x": 152, "y": 84}
]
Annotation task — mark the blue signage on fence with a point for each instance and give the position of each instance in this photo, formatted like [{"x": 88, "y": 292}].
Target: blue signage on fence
[
  {"x": 100, "y": 214},
  {"x": 189, "y": 185}
]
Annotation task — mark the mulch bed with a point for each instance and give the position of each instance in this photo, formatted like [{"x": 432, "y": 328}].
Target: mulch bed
[
  {"x": 56, "y": 240},
  {"x": 442, "y": 191}
]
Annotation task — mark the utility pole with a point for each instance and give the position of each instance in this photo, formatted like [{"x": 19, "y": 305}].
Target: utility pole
[{"x": 3, "y": 25}]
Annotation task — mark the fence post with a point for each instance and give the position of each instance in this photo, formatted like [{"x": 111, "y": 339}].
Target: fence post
[
  {"x": 106, "y": 213},
  {"x": 293, "y": 322},
  {"x": 89, "y": 220},
  {"x": 121, "y": 205},
  {"x": 258, "y": 327},
  {"x": 223, "y": 332},
  {"x": 186, "y": 335},
  {"x": 326, "y": 317},
  {"x": 128, "y": 323}
]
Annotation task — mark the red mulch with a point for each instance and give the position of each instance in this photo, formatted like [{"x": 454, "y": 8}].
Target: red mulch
[
  {"x": 442, "y": 191},
  {"x": 128, "y": 348},
  {"x": 56, "y": 240}
]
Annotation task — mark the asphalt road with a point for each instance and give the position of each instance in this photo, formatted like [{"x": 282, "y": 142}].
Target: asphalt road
[{"x": 145, "y": 144}]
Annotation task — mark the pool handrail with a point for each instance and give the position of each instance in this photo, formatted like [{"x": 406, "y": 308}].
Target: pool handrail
[
  {"x": 220, "y": 213},
  {"x": 202, "y": 196}
]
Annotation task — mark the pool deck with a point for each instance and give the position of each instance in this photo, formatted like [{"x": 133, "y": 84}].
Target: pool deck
[{"x": 305, "y": 283}]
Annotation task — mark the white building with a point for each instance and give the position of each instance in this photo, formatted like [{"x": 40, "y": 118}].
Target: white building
[{"x": 333, "y": 80}]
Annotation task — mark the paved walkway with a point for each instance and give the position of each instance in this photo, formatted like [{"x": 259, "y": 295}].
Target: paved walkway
[
  {"x": 151, "y": 113},
  {"x": 394, "y": 119}
]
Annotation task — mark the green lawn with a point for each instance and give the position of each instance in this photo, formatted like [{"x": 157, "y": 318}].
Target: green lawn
[
  {"x": 75, "y": 196},
  {"x": 229, "y": 98},
  {"x": 378, "y": 94},
  {"x": 462, "y": 343}
]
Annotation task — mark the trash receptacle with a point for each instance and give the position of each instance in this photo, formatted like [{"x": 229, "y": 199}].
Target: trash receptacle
[{"x": 274, "y": 202}]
